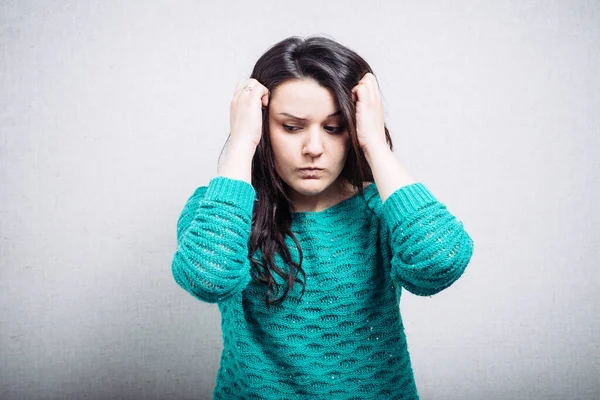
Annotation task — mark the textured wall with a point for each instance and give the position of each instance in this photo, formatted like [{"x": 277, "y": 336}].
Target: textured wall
[{"x": 113, "y": 112}]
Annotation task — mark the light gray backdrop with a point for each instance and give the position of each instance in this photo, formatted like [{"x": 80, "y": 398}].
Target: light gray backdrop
[{"x": 113, "y": 112}]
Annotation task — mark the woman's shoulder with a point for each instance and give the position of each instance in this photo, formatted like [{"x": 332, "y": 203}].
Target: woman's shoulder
[
  {"x": 371, "y": 197},
  {"x": 199, "y": 192}
]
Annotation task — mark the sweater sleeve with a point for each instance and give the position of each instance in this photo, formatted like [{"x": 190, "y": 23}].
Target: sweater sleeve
[
  {"x": 211, "y": 261},
  {"x": 430, "y": 248}
]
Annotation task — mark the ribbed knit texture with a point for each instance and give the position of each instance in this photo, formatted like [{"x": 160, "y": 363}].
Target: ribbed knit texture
[{"x": 344, "y": 339}]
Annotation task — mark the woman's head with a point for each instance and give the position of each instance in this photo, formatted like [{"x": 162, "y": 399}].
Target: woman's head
[{"x": 309, "y": 78}]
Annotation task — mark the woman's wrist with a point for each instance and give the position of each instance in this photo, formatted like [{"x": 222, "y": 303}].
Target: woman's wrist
[{"x": 238, "y": 161}]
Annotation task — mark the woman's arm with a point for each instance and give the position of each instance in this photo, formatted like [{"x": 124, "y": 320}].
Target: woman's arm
[
  {"x": 430, "y": 247},
  {"x": 211, "y": 261},
  {"x": 389, "y": 174}
]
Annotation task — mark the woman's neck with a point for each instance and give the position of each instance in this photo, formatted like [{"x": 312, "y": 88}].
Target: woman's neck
[{"x": 332, "y": 195}]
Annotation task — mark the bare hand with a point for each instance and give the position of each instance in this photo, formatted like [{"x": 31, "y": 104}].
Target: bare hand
[
  {"x": 369, "y": 112},
  {"x": 246, "y": 112}
]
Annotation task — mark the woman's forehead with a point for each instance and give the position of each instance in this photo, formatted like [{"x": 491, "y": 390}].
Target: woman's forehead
[{"x": 302, "y": 100}]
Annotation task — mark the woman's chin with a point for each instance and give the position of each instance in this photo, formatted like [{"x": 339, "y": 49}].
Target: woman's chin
[{"x": 308, "y": 186}]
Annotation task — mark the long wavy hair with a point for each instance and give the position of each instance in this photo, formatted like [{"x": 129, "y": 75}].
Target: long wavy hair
[{"x": 338, "y": 69}]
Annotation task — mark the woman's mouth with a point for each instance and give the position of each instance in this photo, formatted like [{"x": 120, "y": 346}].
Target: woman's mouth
[{"x": 310, "y": 172}]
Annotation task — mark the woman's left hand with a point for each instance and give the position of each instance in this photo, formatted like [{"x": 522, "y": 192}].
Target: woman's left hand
[{"x": 369, "y": 112}]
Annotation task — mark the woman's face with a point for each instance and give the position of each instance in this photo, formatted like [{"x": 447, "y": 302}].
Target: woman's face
[{"x": 306, "y": 130}]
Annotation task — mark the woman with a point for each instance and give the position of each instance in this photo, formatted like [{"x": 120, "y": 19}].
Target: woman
[{"x": 310, "y": 187}]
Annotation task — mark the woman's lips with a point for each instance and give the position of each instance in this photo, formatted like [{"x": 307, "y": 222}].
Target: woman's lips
[{"x": 311, "y": 173}]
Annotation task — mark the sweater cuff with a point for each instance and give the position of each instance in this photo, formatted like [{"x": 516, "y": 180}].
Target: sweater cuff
[
  {"x": 231, "y": 191},
  {"x": 407, "y": 200}
]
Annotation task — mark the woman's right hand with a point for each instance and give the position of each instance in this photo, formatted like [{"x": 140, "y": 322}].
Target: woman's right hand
[{"x": 246, "y": 112}]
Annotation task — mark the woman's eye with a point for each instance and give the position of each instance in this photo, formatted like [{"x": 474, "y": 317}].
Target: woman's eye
[
  {"x": 334, "y": 129},
  {"x": 330, "y": 129},
  {"x": 289, "y": 128}
]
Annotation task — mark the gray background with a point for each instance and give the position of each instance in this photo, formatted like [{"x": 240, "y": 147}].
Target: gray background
[{"x": 113, "y": 112}]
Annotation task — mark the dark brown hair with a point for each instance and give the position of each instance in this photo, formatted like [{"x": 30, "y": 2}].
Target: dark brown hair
[{"x": 338, "y": 69}]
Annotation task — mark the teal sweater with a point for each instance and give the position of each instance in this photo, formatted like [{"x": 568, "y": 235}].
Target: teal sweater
[{"x": 344, "y": 339}]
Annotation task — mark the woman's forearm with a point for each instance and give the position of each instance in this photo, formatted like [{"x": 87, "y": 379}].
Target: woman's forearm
[
  {"x": 390, "y": 175},
  {"x": 237, "y": 163}
]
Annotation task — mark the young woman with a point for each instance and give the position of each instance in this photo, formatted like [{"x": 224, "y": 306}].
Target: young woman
[{"x": 310, "y": 188}]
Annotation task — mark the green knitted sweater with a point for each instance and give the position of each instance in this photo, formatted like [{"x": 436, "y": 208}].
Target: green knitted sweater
[{"x": 344, "y": 338}]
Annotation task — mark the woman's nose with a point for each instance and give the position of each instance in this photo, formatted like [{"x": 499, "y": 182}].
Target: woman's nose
[{"x": 314, "y": 144}]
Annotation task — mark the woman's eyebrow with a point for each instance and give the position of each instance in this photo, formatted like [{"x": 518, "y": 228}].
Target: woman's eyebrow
[{"x": 338, "y": 112}]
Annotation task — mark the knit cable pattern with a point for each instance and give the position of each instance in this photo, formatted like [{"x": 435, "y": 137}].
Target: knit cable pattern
[{"x": 344, "y": 338}]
